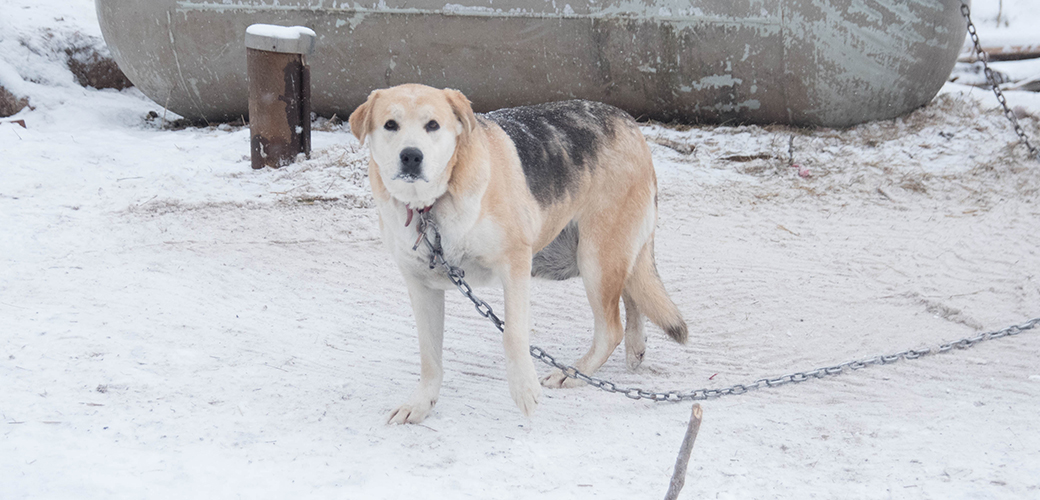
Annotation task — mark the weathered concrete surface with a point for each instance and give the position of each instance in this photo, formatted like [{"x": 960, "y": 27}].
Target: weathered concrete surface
[{"x": 805, "y": 62}]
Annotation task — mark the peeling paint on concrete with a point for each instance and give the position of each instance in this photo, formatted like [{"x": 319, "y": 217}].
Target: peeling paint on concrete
[{"x": 716, "y": 81}]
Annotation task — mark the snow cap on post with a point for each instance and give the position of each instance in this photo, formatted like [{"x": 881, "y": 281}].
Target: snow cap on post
[{"x": 284, "y": 39}]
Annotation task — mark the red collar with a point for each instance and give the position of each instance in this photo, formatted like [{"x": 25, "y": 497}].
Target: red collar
[{"x": 408, "y": 220}]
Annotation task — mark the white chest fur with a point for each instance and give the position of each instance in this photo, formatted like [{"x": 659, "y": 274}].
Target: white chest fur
[{"x": 467, "y": 241}]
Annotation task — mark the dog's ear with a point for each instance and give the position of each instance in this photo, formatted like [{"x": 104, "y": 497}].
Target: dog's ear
[
  {"x": 361, "y": 119},
  {"x": 463, "y": 110}
]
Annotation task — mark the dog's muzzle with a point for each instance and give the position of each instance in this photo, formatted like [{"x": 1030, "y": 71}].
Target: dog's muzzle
[{"x": 411, "y": 165}]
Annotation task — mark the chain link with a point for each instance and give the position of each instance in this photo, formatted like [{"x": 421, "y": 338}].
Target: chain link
[
  {"x": 457, "y": 275},
  {"x": 991, "y": 78}
]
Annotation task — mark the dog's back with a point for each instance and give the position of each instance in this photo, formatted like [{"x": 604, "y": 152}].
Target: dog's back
[{"x": 558, "y": 142}]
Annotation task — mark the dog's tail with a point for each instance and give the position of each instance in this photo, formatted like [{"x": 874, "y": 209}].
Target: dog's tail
[{"x": 646, "y": 290}]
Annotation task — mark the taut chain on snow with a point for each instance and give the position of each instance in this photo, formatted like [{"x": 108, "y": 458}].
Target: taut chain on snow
[
  {"x": 984, "y": 58},
  {"x": 457, "y": 275}
]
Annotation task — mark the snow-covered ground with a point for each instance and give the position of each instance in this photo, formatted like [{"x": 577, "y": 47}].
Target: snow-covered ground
[{"x": 174, "y": 324}]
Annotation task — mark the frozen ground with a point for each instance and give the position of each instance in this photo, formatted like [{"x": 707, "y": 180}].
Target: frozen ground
[{"x": 176, "y": 325}]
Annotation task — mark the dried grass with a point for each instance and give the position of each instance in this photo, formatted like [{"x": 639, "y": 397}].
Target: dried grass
[{"x": 11, "y": 104}]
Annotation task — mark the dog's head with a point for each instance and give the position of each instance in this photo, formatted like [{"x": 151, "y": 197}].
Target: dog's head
[{"x": 412, "y": 133}]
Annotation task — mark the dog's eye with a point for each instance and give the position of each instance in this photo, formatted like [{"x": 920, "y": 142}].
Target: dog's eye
[
  {"x": 432, "y": 125},
  {"x": 390, "y": 125}
]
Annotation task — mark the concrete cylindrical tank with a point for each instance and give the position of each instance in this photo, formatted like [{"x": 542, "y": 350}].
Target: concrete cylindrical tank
[{"x": 804, "y": 62}]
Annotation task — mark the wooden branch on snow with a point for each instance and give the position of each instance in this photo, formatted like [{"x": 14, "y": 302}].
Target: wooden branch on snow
[
  {"x": 679, "y": 476},
  {"x": 1005, "y": 53}
]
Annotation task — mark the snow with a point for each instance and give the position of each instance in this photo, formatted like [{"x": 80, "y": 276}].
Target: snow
[
  {"x": 285, "y": 39},
  {"x": 280, "y": 32},
  {"x": 174, "y": 324}
]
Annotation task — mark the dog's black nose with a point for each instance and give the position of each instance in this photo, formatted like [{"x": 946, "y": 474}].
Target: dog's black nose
[{"x": 411, "y": 162}]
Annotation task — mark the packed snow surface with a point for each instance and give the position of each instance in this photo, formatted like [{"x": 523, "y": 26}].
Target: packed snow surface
[{"x": 176, "y": 325}]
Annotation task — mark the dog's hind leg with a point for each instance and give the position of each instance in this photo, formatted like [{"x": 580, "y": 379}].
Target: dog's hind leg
[
  {"x": 603, "y": 272},
  {"x": 635, "y": 335}
]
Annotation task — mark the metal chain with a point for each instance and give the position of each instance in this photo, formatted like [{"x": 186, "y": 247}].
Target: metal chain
[
  {"x": 457, "y": 275},
  {"x": 991, "y": 78}
]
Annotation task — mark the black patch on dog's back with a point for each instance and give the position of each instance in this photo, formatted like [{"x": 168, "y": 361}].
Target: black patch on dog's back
[{"x": 557, "y": 141}]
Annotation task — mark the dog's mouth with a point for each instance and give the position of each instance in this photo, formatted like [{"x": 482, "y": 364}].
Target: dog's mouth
[{"x": 410, "y": 177}]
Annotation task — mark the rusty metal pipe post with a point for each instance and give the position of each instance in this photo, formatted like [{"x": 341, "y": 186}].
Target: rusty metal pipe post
[{"x": 279, "y": 93}]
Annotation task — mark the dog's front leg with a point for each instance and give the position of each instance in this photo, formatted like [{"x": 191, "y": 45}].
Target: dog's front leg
[
  {"x": 428, "y": 307},
  {"x": 523, "y": 382}
]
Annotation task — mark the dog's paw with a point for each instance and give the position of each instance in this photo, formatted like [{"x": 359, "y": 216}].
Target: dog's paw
[
  {"x": 634, "y": 358},
  {"x": 526, "y": 398},
  {"x": 525, "y": 391},
  {"x": 412, "y": 412},
  {"x": 557, "y": 380}
]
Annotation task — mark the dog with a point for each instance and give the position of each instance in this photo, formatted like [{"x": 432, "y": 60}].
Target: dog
[{"x": 554, "y": 191}]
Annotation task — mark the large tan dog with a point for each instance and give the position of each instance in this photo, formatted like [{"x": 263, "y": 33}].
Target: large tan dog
[{"x": 555, "y": 191}]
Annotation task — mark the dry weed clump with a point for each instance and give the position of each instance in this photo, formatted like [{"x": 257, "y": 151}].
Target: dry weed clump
[
  {"x": 87, "y": 57},
  {"x": 94, "y": 67},
  {"x": 11, "y": 104}
]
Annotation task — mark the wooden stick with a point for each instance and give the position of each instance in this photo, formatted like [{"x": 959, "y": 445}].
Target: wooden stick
[
  {"x": 679, "y": 476},
  {"x": 1006, "y": 53}
]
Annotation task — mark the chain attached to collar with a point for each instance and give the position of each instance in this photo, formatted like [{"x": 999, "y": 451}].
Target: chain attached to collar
[{"x": 455, "y": 274}]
